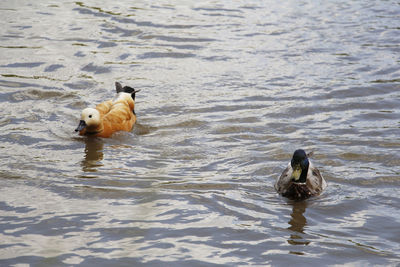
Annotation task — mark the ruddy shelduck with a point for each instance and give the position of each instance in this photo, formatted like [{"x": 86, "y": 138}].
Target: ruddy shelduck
[
  {"x": 117, "y": 114},
  {"x": 301, "y": 179}
]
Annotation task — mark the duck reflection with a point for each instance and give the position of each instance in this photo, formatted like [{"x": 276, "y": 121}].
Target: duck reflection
[
  {"x": 297, "y": 223},
  {"x": 93, "y": 155}
]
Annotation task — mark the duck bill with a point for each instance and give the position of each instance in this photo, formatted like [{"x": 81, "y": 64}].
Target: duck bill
[
  {"x": 296, "y": 173},
  {"x": 81, "y": 126}
]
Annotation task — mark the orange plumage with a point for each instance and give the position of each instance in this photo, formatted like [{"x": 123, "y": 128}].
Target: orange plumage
[{"x": 110, "y": 116}]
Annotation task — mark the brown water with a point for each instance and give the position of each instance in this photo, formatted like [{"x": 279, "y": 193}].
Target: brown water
[{"x": 229, "y": 90}]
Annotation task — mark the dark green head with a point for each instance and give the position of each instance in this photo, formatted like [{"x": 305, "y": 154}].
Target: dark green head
[{"x": 299, "y": 165}]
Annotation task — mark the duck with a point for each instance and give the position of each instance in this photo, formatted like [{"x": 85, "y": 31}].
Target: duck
[
  {"x": 117, "y": 114},
  {"x": 301, "y": 179}
]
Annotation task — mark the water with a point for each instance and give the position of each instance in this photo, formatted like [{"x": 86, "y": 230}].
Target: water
[{"x": 228, "y": 91}]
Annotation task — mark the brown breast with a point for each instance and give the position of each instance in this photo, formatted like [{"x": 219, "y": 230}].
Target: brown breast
[{"x": 298, "y": 192}]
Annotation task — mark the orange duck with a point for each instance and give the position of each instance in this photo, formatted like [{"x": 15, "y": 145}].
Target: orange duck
[{"x": 110, "y": 116}]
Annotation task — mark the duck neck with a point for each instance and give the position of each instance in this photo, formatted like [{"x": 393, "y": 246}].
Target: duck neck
[
  {"x": 303, "y": 175},
  {"x": 95, "y": 130}
]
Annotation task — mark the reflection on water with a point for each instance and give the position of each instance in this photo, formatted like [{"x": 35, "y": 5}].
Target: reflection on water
[
  {"x": 229, "y": 90},
  {"x": 297, "y": 223},
  {"x": 93, "y": 155}
]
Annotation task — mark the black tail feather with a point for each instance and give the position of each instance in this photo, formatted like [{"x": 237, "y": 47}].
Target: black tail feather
[
  {"x": 118, "y": 87},
  {"x": 126, "y": 89}
]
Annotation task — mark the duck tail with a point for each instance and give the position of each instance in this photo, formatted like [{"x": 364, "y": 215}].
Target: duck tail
[
  {"x": 118, "y": 87},
  {"x": 126, "y": 89}
]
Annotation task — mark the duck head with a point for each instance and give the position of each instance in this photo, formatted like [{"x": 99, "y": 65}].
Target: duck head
[
  {"x": 299, "y": 165},
  {"x": 90, "y": 122}
]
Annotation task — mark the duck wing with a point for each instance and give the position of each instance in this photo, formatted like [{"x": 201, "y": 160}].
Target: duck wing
[
  {"x": 284, "y": 181},
  {"x": 315, "y": 181},
  {"x": 104, "y": 107},
  {"x": 120, "y": 116}
]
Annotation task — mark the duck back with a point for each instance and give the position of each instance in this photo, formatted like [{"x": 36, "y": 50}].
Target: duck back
[{"x": 117, "y": 114}]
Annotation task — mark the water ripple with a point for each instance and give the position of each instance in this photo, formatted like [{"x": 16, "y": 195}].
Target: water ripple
[{"x": 228, "y": 92}]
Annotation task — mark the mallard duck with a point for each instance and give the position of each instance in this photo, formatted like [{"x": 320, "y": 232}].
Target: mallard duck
[
  {"x": 117, "y": 114},
  {"x": 300, "y": 180}
]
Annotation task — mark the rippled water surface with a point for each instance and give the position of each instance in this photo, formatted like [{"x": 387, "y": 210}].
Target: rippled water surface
[{"x": 229, "y": 89}]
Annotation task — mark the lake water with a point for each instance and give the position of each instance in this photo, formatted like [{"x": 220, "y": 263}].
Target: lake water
[{"x": 229, "y": 89}]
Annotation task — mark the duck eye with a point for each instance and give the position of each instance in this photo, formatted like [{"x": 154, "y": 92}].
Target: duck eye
[{"x": 90, "y": 116}]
